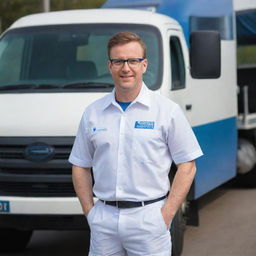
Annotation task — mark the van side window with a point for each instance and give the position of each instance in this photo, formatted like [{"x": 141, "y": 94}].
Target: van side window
[{"x": 177, "y": 64}]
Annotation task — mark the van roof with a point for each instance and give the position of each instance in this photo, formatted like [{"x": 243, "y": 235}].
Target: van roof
[{"x": 94, "y": 16}]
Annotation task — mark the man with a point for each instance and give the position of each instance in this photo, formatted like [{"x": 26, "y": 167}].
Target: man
[{"x": 130, "y": 137}]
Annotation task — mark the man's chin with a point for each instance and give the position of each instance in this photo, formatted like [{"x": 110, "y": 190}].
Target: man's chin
[{"x": 126, "y": 86}]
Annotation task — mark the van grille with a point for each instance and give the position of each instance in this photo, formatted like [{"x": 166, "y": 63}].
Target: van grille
[
  {"x": 22, "y": 176},
  {"x": 17, "y": 152},
  {"x": 28, "y": 189}
]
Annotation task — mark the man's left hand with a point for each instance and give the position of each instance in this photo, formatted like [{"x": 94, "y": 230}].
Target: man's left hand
[{"x": 166, "y": 216}]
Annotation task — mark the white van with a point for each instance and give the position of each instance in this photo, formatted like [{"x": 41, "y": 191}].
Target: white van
[{"x": 53, "y": 65}]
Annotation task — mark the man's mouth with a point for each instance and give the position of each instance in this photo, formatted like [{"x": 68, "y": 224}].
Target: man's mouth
[{"x": 125, "y": 77}]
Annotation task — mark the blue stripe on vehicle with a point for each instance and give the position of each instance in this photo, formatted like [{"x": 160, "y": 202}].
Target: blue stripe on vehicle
[{"x": 218, "y": 141}]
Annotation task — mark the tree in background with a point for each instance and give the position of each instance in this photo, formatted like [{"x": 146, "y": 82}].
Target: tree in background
[
  {"x": 57, "y": 5},
  {"x": 11, "y": 10}
]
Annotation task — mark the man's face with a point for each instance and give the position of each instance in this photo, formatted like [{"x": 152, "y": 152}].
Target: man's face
[{"x": 127, "y": 77}]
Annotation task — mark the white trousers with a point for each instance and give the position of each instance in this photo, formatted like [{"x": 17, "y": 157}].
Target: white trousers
[{"x": 139, "y": 231}]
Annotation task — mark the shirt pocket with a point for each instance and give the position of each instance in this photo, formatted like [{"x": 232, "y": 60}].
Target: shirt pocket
[
  {"x": 100, "y": 137},
  {"x": 145, "y": 143}
]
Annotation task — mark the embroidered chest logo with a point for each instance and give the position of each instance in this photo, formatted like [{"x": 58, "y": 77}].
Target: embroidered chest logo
[
  {"x": 144, "y": 125},
  {"x": 99, "y": 129}
]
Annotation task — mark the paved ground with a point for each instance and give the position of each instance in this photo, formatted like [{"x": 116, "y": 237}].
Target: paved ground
[{"x": 227, "y": 227}]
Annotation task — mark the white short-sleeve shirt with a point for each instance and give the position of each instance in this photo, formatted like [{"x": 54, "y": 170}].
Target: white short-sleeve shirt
[{"x": 131, "y": 151}]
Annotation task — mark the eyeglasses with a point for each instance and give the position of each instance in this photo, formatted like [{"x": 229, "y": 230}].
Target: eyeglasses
[{"x": 132, "y": 62}]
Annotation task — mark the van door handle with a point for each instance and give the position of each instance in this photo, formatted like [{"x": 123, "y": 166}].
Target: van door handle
[{"x": 189, "y": 107}]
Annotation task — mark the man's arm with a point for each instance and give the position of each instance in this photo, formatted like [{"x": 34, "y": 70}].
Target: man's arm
[
  {"x": 179, "y": 190},
  {"x": 82, "y": 180}
]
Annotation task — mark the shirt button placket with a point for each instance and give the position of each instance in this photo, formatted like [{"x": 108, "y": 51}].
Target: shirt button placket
[{"x": 120, "y": 157}]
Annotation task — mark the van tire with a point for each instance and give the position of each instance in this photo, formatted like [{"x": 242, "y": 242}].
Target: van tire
[
  {"x": 177, "y": 232},
  {"x": 13, "y": 240}
]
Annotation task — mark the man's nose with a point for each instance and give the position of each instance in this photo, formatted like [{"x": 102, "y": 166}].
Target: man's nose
[{"x": 126, "y": 67}]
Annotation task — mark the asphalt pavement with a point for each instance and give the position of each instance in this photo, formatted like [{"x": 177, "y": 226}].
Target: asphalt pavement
[{"x": 227, "y": 225}]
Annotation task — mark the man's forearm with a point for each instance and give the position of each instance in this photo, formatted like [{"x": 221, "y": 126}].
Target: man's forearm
[
  {"x": 179, "y": 190},
  {"x": 82, "y": 180}
]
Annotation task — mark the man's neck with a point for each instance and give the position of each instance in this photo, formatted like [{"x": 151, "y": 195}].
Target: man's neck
[{"x": 126, "y": 95}]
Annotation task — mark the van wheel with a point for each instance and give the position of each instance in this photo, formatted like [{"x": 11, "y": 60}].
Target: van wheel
[
  {"x": 13, "y": 240},
  {"x": 177, "y": 232}
]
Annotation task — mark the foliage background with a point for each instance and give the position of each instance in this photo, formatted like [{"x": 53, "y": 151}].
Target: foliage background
[
  {"x": 246, "y": 55},
  {"x": 11, "y": 10}
]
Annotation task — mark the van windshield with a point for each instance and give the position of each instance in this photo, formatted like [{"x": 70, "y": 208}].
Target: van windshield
[{"x": 69, "y": 57}]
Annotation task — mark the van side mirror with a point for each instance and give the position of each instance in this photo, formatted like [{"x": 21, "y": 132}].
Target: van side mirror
[{"x": 205, "y": 54}]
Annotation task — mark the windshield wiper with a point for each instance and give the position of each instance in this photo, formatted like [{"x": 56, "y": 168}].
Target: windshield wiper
[
  {"x": 89, "y": 85},
  {"x": 77, "y": 85},
  {"x": 27, "y": 86},
  {"x": 15, "y": 87}
]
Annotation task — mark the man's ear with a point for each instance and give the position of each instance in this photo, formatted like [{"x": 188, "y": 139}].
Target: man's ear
[{"x": 109, "y": 67}]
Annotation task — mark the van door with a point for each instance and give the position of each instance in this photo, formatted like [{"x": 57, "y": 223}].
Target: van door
[{"x": 210, "y": 106}]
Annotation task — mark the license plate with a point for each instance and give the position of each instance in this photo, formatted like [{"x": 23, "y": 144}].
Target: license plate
[{"x": 4, "y": 206}]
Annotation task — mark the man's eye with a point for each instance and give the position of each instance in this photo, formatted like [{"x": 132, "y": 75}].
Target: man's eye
[
  {"x": 133, "y": 61},
  {"x": 118, "y": 62}
]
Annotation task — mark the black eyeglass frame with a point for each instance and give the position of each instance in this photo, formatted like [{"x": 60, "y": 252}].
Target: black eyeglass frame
[{"x": 126, "y": 60}]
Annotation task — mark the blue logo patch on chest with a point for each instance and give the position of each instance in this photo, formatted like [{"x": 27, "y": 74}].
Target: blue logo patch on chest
[
  {"x": 144, "y": 125},
  {"x": 99, "y": 129}
]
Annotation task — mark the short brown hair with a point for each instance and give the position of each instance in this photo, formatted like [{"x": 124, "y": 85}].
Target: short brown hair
[{"x": 124, "y": 38}]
